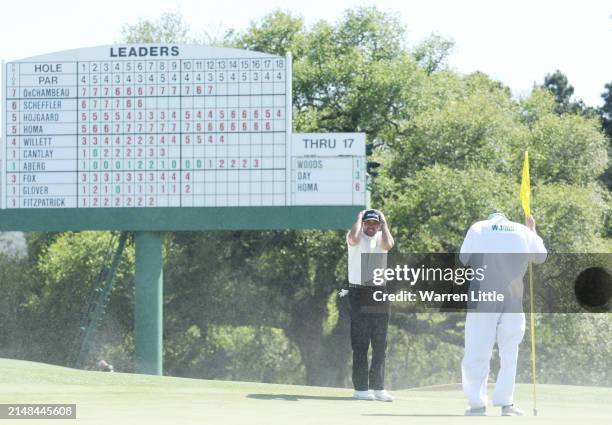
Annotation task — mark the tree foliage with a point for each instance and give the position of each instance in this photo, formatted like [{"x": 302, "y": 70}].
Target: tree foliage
[
  {"x": 169, "y": 28},
  {"x": 606, "y": 110},
  {"x": 432, "y": 53}
]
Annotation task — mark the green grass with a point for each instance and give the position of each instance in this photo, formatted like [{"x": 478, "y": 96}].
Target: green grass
[{"x": 119, "y": 398}]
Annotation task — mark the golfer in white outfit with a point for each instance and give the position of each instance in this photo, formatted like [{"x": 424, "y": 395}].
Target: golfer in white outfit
[{"x": 504, "y": 322}]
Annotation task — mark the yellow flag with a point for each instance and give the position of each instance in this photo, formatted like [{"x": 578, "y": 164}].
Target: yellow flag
[{"x": 525, "y": 194}]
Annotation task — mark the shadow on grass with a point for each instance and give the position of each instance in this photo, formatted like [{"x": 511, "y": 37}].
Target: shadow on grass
[
  {"x": 417, "y": 415},
  {"x": 296, "y": 397}
]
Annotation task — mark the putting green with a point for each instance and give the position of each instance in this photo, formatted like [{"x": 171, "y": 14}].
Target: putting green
[{"x": 119, "y": 398}]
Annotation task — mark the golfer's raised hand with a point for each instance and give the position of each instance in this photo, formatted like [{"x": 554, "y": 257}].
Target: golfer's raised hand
[{"x": 383, "y": 220}]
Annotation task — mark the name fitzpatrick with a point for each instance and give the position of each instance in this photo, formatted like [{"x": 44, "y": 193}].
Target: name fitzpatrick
[{"x": 432, "y": 296}]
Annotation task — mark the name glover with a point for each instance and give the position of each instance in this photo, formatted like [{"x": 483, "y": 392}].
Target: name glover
[{"x": 144, "y": 51}]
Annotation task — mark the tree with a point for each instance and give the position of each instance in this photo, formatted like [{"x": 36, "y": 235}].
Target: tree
[
  {"x": 605, "y": 113},
  {"x": 221, "y": 320},
  {"x": 15, "y": 285},
  {"x": 432, "y": 53},
  {"x": 277, "y": 33},
  {"x": 169, "y": 28},
  {"x": 606, "y": 110},
  {"x": 567, "y": 149},
  {"x": 468, "y": 122},
  {"x": 560, "y": 87},
  {"x": 558, "y": 84},
  {"x": 302, "y": 272},
  {"x": 60, "y": 283},
  {"x": 433, "y": 208}
]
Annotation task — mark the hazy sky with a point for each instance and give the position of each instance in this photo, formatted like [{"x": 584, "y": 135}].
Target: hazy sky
[{"x": 517, "y": 41}]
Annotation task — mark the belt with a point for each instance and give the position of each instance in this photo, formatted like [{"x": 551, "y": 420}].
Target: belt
[{"x": 352, "y": 285}]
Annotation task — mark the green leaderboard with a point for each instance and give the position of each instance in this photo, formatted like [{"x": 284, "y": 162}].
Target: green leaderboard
[{"x": 167, "y": 137}]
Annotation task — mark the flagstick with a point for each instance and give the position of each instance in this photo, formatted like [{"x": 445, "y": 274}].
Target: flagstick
[
  {"x": 533, "y": 356},
  {"x": 524, "y": 195}
]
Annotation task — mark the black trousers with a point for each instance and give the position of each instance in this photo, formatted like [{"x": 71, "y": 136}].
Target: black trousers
[{"x": 369, "y": 323}]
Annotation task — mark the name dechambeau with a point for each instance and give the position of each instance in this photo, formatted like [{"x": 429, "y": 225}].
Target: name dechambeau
[{"x": 433, "y": 296}]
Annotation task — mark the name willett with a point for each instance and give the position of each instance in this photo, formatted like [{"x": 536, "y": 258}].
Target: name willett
[{"x": 432, "y": 296}]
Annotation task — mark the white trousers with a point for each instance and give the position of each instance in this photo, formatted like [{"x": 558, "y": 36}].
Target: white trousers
[{"x": 482, "y": 330}]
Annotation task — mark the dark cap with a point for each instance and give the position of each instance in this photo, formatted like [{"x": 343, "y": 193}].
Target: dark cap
[{"x": 371, "y": 215}]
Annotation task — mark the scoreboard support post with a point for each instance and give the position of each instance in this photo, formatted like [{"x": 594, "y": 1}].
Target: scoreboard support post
[{"x": 148, "y": 303}]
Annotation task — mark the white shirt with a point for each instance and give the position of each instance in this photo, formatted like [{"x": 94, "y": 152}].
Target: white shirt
[
  {"x": 500, "y": 235},
  {"x": 492, "y": 239},
  {"x": 366, "y": 245}
]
